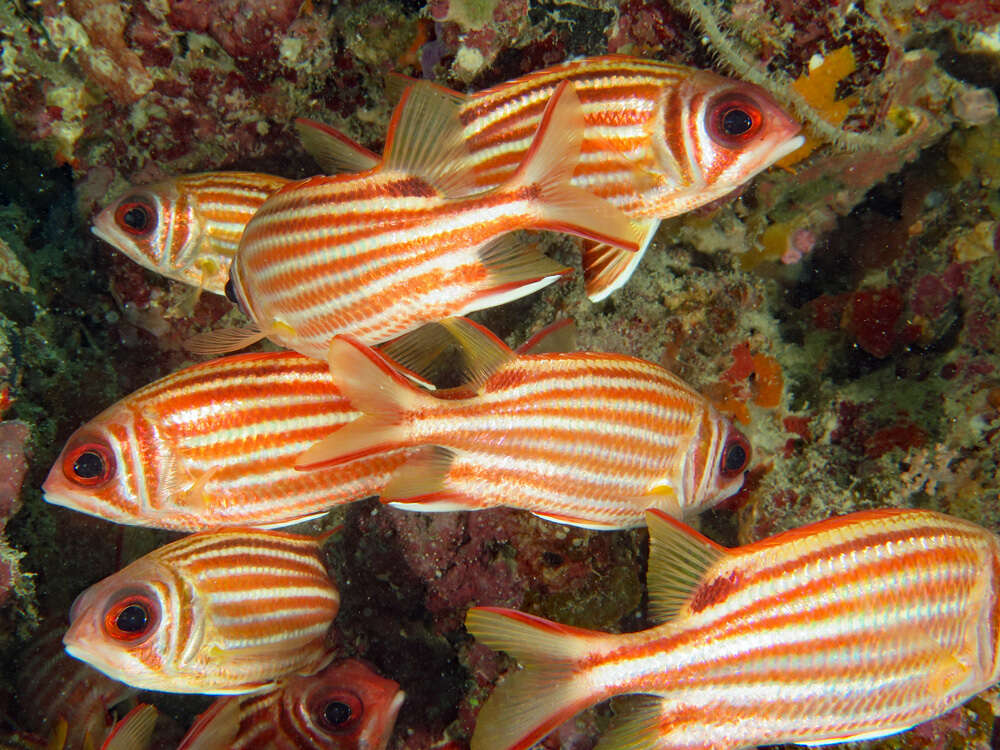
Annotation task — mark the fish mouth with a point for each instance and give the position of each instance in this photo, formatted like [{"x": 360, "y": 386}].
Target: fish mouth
[
  {"x": 387, "y": 722},
  {"x": 105, "y": 233},
  {"x": 792, "y": 144}
]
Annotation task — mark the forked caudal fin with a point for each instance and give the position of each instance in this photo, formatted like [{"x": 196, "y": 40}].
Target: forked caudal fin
[
  {"x": 547, "y": 169},
  {"x": 373, "y": 387},
  {"x": 547, "y": 691}
]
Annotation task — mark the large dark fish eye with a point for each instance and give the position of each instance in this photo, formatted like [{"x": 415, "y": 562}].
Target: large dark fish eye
[
  {"x": 231, "y": 291},
  {"x": 735, "y": 455},
  {"x": 339, "y": 711},
  {"x": 136, "y": 215},
  {"x": 733, "y": 120},
  {"x": 89, "y": 464},
  {"x": 131, "y": 618},
  {"x": 736, "y": 122},
  {"x": 336, "y": 713}
]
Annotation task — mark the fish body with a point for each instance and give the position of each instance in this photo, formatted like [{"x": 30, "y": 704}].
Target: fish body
[
  {"x": 346, "y": 706},
  {"x": 586, "y": 438},
  {"x": 659, "y": 140},
  {"x": 852, "y": 628},
  {"x": 187, "y": 228},
  {"x": 52, "y": 686},
  {"x": 215, "y": 445},
  {"x": 380, "y": 253},
  {"x": 220, "y": 612}
]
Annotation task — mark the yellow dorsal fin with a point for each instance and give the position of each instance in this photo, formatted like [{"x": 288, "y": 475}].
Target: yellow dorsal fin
[
  {"x": 449, "y": 346},
  {"x": 425, "y": 139},
  {"x": 332, "y": 150},
  {"x": 679, "y": 557}
]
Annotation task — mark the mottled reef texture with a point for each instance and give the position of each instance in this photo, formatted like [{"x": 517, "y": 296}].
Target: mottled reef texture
[{"x": 844, "y": 309}]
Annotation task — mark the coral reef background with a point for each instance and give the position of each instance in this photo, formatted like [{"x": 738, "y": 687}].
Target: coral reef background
[{"x": 843, "y": 309}]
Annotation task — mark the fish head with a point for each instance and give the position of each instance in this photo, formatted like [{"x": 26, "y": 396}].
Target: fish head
[
  {"x": 124, "y": 625},
  {"x": 346, "y": 706},
  {"x": 96, "y": 472},
  {"x": 154, "y": 225},
  {"x": 729, "y": 131},
  {"x": 716, "y": 464}
]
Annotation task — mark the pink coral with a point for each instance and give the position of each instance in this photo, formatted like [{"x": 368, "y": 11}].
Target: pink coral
[
  {"x": 13, "y": 465},
  {"x": 249, "y": 31},
  {"x": 108, "y": 61}
]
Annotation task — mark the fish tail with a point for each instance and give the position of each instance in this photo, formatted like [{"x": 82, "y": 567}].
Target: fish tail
[
  {"x": 547, "y": 691},
  {"x": 374, "y": 388},
  {"x": 548, "y": 167}
]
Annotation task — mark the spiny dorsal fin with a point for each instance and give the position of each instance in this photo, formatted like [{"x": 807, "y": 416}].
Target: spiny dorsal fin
[
  {"x": 556, "y": 338},
  {"x": 678, "y": 558},
  {"x": 332, "y": 150},
  {"x": 397, "y": 83},
  {"x": 426, "y": 140},
  {"x": 450, "y": 345}
]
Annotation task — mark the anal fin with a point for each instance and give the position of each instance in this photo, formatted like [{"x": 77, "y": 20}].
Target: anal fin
[{"x": 607, "y": 269}]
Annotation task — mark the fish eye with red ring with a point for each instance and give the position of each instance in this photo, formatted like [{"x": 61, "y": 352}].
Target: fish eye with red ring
[
  {"x": 339, "y": 711},
  {"x": 89, "y": 463},
  {"x": 131, "y": 618},
  {"x": 733, "y": 120},
  {"x": 136, "y": 215},
  {"x": 735, "y": 456}
]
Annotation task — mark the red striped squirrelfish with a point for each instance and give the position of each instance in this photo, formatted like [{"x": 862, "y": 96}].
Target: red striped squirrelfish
[
  {"x": 215, "y": 445},
  {"x": 53, "y": 687},
  {"x": 852, "y": 628},
  {"x": 186, "y": 228},
  {"x": 229, "y": 611},
  {"x": 378, "y": 254},
  {"x": 659, "y": 139},
  {"x": 345, "y": 707},
  {"x": 587, "y": 438}
]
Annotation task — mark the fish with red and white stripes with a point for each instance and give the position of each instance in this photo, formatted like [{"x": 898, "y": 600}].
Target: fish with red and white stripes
[
  {"x": 347, "y": 706},
  {"x": 586, "y": 438},
  {"x": 215, "y": 445},
  {"x": 229, "y": 611},
  {"x": 55, "y": 689},
  {"x": 660, "y": 139},
  {"x": 186, "y": 228},
  {"x": 379, "y": 254},
  {"x": 853, "y": 628}
]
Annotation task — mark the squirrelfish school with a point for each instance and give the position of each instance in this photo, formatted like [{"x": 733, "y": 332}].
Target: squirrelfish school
[
  {"x": 186, "y": 228},
  {"x": 347, "y": 706},
  {"x": 57, "y": 693},
  {"x": 229, "y": 611},
  {"x": 585, "y": 438},
  {"x": 215, "y": 445},
  {"x": 659, "y": 139},
  {"x": 852, "y": 628},
  {"x": 378, "y": 254}
]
